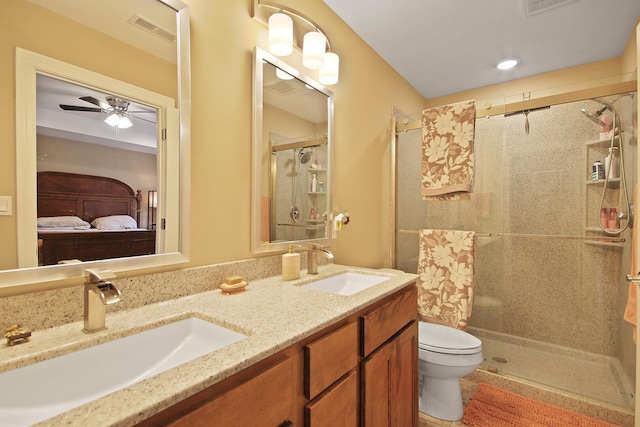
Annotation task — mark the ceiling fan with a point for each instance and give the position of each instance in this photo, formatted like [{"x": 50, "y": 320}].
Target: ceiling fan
[{"x": 117, "y": 108}]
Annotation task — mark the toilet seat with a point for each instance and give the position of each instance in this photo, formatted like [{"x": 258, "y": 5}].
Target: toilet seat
[{"x": 446, "y": 340}]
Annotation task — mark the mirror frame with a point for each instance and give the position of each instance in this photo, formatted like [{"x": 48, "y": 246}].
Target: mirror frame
[
  {"x": 257, "y": 245},
  {"x": 24, "y": 280}
]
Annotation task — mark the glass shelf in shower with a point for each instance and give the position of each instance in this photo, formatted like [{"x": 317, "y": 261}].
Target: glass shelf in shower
[
  {"x": 604, "y": 141},
  {"x": 602, "y": 181}
]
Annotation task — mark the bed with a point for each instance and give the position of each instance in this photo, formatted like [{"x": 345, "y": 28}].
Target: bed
[{"x": 71, "y": 206}]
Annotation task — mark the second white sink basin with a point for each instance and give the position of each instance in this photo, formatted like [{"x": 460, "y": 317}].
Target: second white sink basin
[
  {"x": 348, "y": 283},
  {"x": 42, "y": 390}
]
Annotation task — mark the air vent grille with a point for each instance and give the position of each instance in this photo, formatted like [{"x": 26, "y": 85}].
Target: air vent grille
[
  {"x": 153, "y": 28},
  {"x": 537, "y": 6},
  {"x": 281, "y": 87}
]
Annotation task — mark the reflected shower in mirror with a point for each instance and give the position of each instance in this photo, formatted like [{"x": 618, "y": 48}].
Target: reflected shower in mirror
[{"x": 292, "y": 156}]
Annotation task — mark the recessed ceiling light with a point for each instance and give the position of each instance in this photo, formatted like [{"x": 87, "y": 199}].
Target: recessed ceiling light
[{"x": 507, "y": 64}]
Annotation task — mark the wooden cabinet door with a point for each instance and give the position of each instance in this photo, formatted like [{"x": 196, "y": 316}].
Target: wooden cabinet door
[
  {"x": 405, "y": 378},
  {"x": 266, "y": 400},
  {"x": 389, "y": 388},
  {"x": 376, "y": 373}
]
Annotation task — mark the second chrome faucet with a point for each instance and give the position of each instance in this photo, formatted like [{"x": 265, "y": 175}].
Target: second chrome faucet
[{"x": 312, "y": 256}]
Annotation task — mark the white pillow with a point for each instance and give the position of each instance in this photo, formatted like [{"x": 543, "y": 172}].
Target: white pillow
[
  {"x": 63, "y": 222},
  {"x": 114, "y": 222}
]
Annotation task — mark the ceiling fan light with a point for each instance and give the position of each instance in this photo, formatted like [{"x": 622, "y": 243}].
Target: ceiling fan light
[
  {"x": 280, "y": 34},
  {"x": 328, "y": 74},
  {"x": 112, "y": 120},
  {"x": 313, "y": 50},
  {"x": 125, "y": 122},
  {"x": 116, "y": 120}
]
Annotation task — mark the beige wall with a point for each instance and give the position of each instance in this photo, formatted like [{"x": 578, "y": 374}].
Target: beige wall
[{"x": 223, "y": 39}]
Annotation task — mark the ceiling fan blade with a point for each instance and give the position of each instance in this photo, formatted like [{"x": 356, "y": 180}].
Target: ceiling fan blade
[
  {"x": 95, "y": 101},
  {"x": 78, "y": 108}
]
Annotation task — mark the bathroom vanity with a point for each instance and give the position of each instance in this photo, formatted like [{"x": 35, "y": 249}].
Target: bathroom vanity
[
  {"x": 308, "y": 357},
  {"x": 362, "y": 366}
]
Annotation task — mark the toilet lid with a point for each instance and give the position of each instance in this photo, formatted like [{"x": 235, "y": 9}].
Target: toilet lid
[{"x": 444, "y": 339}]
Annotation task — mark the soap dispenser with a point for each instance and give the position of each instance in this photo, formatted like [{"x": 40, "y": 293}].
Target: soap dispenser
[{"x": 291, "y": 265}]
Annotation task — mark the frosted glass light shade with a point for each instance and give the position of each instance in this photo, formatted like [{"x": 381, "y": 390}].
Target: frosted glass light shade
[
  {"x": 328, "y": 74},
  {"x": 280, "y": 34},
  {"x": 124, "y": 123},
  {"x": 116, "y": 120},
  {"x": 313, "y": 50}
]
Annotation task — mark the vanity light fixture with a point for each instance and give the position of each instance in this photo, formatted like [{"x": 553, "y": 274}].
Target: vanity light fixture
[
  {"x": 280, "y": 34},
  {"x": 507, "y": 64},
  {"x": 316, "y": 48},
  {"x": 328, "y": 74}
]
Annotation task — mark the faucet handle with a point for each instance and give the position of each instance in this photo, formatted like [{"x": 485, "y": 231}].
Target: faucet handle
[{"x": 97, "y": 276}]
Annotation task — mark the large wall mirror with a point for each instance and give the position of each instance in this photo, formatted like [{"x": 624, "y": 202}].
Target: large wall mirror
[
  {"x": 292, "y": 137},
  {"x": 101, "y": 92}
]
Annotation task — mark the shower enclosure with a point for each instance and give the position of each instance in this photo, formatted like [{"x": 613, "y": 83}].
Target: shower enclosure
[{"x": 550, "y": 289}]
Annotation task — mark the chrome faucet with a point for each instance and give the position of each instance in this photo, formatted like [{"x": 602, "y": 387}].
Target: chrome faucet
[
  {"x": 98, "y": 293},
  {"x": 312, "y": 256}
]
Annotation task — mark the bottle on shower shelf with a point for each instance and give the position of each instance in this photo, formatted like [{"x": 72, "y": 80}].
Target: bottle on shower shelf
[
  {"x": 604, "y": 217},
  {"x": 314, "y": 183},
  {"x": 614, "y": 221},
  {"x": 612, "y": 163}
]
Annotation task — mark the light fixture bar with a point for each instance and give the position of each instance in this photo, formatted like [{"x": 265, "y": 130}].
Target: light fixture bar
[{"x": 296, "y": 14}]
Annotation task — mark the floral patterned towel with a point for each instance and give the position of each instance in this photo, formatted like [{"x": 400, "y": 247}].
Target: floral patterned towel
[
  {"x": 447, "y": 149},
  {"x": 446, "y": 270}
]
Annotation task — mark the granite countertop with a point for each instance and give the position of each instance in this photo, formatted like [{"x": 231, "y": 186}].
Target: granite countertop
[{"x": 274, "y": 314}]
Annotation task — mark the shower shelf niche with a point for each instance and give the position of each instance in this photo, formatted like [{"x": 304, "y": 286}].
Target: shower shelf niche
[{"x": 597, "y": 150}]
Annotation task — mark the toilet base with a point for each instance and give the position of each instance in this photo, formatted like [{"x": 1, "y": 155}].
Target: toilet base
[{"x": 441, "y": 398}]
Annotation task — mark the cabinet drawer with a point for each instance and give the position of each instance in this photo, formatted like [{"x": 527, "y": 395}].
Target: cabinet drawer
[
  {"x": 267, "y": 397},
  {"x": 337, "y": 407},
  {"x": 383, "y": 322},
  {"x": 329, "y": 358}
]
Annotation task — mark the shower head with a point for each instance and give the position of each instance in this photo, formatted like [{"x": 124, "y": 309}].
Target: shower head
[
  {"x": 304, "y": 157},
  {"x": 595, "y": 117}
]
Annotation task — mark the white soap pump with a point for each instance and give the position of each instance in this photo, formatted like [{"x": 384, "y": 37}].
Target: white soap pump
[{"x": 291, "y": 265}]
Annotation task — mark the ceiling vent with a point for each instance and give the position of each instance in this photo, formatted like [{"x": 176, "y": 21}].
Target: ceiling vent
[
  {"x": 153, "y": 28},
  {"x": 537, "y": 6},
  {"x": 281, "y": 87}
]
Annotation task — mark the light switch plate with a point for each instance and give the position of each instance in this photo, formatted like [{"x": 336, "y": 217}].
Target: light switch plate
[{"x": 5, "y": 205}]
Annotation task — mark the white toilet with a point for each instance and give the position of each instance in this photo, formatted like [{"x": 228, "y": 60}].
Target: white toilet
[{"x": 445, "y": 355}]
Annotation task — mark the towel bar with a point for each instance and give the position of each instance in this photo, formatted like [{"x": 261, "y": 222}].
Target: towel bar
[{"x": 538, "y": 236}]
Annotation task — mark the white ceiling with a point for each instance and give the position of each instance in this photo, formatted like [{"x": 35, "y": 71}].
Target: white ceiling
[
  {"x": 51, "y": 120},
  {"x": 447, "y": 46}
]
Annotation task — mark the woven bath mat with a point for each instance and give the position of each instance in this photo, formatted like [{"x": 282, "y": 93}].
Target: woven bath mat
[{"x": 494, "y": 407}]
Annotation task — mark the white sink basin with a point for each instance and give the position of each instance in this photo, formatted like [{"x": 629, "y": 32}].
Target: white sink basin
[
  {"x": 42, "y": 390},
  {"x": 348, "y": 283}
]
